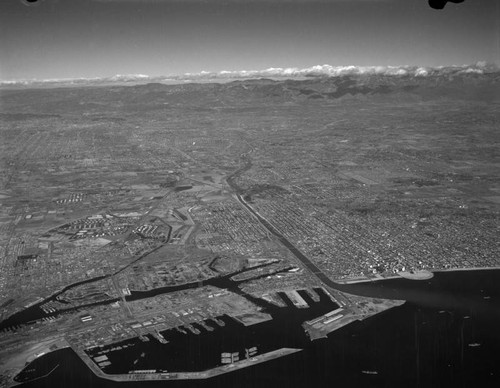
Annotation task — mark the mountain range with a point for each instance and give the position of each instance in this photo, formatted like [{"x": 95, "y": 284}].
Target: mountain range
[
  {"x": 273, "y": 73},
  {"x": 369, "y": 86}
]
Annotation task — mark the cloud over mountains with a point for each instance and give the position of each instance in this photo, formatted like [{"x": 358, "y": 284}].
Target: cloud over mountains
[
  {"x": 336, "y": 71},
  {"x": 273, "y": 72}
]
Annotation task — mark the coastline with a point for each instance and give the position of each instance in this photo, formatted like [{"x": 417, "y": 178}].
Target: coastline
[
  {"x": 15, "y": 365},
  {"x": 467, "y": 269},
  {"x": 399, "y": 276}
]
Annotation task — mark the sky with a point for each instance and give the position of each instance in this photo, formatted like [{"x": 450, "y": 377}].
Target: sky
[{"x": 101, "y": 38}]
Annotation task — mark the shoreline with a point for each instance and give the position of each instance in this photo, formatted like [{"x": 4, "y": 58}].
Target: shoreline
[
  {"x": 15, "y": 365},
  {"x": 397, "y": 276}
]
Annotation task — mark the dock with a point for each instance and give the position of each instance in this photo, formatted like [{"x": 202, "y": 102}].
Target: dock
[
  {"x": 154, "y": 375},
  {"x": 296, "y": 299},
  {"x": 313, "y": 295},
  {"x": 274, "y": 299},
  {"x": 321, "y": 326},
  {"x": 249, "y": 319}
]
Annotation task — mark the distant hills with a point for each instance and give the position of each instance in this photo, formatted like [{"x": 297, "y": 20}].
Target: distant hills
[
  {"x": 320, "y": 71},
  {"x": 377, "y": 86}
]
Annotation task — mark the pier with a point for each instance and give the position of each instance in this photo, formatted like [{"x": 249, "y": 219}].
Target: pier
[
  {"x": 155, "y": 375},
  {"x": 296, "y": 299}
]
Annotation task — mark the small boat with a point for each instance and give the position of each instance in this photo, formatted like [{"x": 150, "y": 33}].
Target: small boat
[
  {"x": 369, "y": 372},
  {"x": 474, "y": 345}
]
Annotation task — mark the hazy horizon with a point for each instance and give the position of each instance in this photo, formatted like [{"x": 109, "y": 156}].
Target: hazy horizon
[
  {"x": 88, "y": 39},
  {"x": 270, "y": 73}
]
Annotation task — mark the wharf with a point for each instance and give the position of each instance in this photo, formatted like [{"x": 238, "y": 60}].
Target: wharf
[
  {"x": 296, "y": 299},
  {"x": 312, "y": 294},
  {"x": 150, "y": 375},
  {"x": 321, "y": 326},
  {"x": 274, "y": 299},
  {"x": 254, "y": 318}
]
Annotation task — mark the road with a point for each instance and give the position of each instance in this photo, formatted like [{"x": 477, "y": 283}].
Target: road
[
  {"x": 308, "y": 263},
  {"x": 323, "y": 278}
]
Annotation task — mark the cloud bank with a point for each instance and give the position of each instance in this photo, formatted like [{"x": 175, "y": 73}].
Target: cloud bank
[
  {"x": 337, "y": 71},
  {"x": 273, "y": 72}
]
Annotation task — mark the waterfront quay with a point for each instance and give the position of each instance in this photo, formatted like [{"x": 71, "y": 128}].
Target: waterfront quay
[
  {"x": 321, "y": 326},
  {"x": 155, "y": 375}
]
